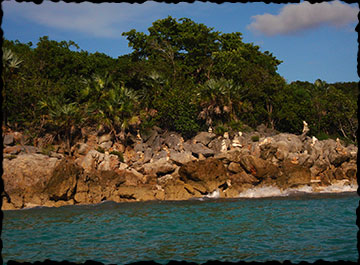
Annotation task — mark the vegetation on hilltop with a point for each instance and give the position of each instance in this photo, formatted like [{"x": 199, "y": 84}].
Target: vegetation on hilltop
[{"x": 182, "y": 76}]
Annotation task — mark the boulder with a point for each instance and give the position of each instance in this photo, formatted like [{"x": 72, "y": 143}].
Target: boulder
[
  {"x": 148, "y": 154},
  {"x": 204, "y": 138},
  {"x": 62, "y": 183},
  {"x": 216, "y": 145},
  {"x": 132, "y": 193},
  {"x": 243, "y": 178},
  {"x": 209, "y": 173},
  {"x": 338, "y": 157},
  {"x": 258, "y": 167},
  {"x": 282, "y": 150},
  {"x": 199, "y": 148},
  {"x": 293, "y": 175},
  {"x": 26, "y": 176},
  {"x": 176, "y": 192},
  {"x": 8, "y": 139},
  {"x": 293, "y": 142},
  {"x": 159, "y": 167},
  {"x": 173, "y": 141},
  {"x": 181, "y": 158},
  {"x": 160, "y": 155}
]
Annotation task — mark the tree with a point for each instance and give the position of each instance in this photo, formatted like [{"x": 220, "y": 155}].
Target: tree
[
  {"x": 10, "y": 63},
  {"x": 109, "y": 104},
  {"x": 62, "y": 118}
]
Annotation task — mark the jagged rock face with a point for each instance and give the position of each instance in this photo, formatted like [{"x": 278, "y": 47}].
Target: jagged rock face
[
  {"x": 209, "y": 173},
  {"x": 161, "y": 166},
  {"x": 293, "y": 175},
  {"x": 25, "y": 177},
  {"x": 62, "y": 183},
  {"x": 258, "y": 167}
]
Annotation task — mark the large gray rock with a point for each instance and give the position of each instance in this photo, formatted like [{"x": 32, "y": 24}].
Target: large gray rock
[
  {"x": 159, "y": 167},
  {"x": 160, "y": 155},
  {"x": 26, "y": 176},
  {"x": 173, "y": 141},
  {"x": 199, "y": 148},
  {"x": 148, "y": 154},
  {"x": 204, "y": 137},
  {"x": 293, "y": 142},
  {"x": 8, "y": 139},
  {"x": 156, "y": 144},
  {"x": 181, "y": 158}
]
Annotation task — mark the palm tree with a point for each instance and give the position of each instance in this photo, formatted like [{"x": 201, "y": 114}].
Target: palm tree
[
  {"x": 112, "y": 105},
  {"x": 62, "y": 117},
  {"x": 10, "y": 63},
  {"x": 217, "y": 99}
]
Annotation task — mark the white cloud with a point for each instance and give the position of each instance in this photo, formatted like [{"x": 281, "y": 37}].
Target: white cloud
[
  {"x": 105, "y": 20},
  {"x": 298, "y": 17}
]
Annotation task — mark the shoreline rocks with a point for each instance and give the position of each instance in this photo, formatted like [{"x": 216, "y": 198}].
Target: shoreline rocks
[{"x": 162, "y": 166}]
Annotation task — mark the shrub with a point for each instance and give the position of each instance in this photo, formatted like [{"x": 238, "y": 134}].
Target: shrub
[
  {"x": 119, "y": 154},
  {"x": 100, "y": 149},
  {"x": 255, "y": 138}
]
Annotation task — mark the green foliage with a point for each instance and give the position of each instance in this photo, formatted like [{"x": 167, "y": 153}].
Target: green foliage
[
  {"x": 100, "y": 149},
  {"x": 46, "y": 150},
  {"x": 118, "y": 154},
  {"x": 181, "y": 76},
  {"x": 220, "y": 129},
  {"x": 176, "y": 112},
  {"x": 255, "y": 138}
]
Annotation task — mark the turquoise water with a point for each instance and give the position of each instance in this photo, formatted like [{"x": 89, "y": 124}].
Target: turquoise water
[{"x": 296, "y": 228}]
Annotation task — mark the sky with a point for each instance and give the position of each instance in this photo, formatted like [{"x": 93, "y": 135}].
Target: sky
[{"x": 314, "y": 41}]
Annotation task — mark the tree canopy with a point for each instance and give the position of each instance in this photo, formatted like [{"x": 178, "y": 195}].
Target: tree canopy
[{"x": 181, "y": 76}]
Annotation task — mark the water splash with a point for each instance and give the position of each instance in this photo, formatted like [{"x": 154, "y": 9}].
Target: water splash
[
  {"x": 272, "y": 191},
  {"x": 214, "y": 195}
]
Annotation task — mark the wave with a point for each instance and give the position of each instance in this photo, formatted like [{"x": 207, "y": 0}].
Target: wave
[
  {"x": 272, "y": 191},
  {"x": 213, "y": 195}
]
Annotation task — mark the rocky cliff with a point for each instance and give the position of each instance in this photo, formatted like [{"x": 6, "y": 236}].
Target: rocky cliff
[{"x": 160, "y": 165}]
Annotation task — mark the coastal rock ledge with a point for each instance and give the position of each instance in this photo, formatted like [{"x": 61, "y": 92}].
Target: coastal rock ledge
[{"x": 163, "y": 166}]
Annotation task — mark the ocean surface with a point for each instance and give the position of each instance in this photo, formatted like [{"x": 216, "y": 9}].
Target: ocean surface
[{"x": 297, "y": 227}]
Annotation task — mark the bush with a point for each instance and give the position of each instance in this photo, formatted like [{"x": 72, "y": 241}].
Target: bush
[
  {"x": 100, "y": 150},
  {"x": 119, "y": 154},
  {"x": 255, "y": 138}
]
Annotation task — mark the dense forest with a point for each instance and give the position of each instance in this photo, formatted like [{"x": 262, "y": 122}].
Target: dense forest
[{"x": 181, "y": 76}]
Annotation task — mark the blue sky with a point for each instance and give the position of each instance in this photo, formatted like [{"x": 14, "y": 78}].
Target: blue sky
[{"x": 313, "y": 40}]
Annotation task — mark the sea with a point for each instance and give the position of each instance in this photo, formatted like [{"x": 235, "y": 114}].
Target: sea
[{"x": 260, "y": 225}]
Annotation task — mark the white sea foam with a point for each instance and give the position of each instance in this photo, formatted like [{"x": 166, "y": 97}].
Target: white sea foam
[
  {"x": 271, "y": 191},
  {"x": 340, "y": 186},
  {"x": 215, "y": 194},
  {"x": 259, "y": 192}
]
